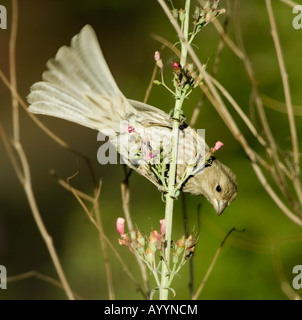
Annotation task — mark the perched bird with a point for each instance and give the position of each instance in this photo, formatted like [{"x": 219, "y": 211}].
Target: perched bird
[{"x": 78, "y": 86}]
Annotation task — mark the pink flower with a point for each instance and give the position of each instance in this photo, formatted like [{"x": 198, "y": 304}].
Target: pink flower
[
  {"x": 158, "y": 59},
  {"x": 130, "y": 128},
  {"x": 162, "y": 226},
  {"x": 149, "y": 156},
  {"x": 157, "y": 56},
  {"x": 120, "y": 226},
  {"x": 218, "y": 145}
]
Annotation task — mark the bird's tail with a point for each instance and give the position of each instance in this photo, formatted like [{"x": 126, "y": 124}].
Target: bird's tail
[{"x": 78, "y": 86}]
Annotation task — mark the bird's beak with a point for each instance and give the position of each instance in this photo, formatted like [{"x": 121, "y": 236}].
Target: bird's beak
[{"x": 219, "y": 206}]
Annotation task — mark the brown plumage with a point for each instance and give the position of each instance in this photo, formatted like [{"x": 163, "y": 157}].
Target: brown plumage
[{"x": 79, "y": 87}]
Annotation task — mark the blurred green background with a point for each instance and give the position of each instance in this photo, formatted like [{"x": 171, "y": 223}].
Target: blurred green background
[{"x": 246, "y": 268}]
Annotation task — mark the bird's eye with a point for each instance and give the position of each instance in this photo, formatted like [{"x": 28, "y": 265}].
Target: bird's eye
[{"x": 218, "y": 188}]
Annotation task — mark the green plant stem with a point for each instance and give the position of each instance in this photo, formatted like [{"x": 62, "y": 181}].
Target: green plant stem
[{"x": 165, "y": 272}]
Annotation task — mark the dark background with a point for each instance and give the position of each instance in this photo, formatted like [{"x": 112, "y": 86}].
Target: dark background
[{"x": 246, "y": 268}]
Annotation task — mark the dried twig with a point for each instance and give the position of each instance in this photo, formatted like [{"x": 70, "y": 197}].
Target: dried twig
[
  {"x": 288, "y": 101},
  {"x": 210, "y": 269},
  {"x": 12, "y": 69},
  {"x": 25, "y": 177},
  {"x": 290, "y": 3},
  {"x": 97, "y": 223},
  {"x": 42, "y": 277},
  {"x": 284, "y": 284},
  {"x": 45, "y": 129},
  {"x": 214, "y": 97},
  {"x": 102, "y": 240}
]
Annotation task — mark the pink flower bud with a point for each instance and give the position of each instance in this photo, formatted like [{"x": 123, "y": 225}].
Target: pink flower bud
[
  {"x": 120, "y": 225},
  {"x": 157, "y": 56},
  {"x": 175, "y": 65},
  {"x": 218, "y": 145},
  {"x": 162, "y": 226},
  {"x": 158, "y": 59}
]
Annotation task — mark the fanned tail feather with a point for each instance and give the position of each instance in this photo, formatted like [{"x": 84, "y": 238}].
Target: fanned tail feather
[{"x": 78, "y": 86}]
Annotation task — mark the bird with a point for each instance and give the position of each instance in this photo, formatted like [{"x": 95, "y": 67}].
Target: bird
[{"x": 79, "y": 87}]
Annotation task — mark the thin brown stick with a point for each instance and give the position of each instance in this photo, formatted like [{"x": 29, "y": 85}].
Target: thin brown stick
[
  {"x": 26, "y": 176},
  {"x": 109, "y": 243},
  {"x": 288, "y": 101},
  {"x": 11, "y": 154},
  {"x": 211, "y": 267},
  {"x": 279, "y": 106},
  {"x": 290, "y": 3},
  {"x": 237, "y": 108},
  {"x": 25, "y": 180},
  {"x": 229, "y": 42},
  {"x": 221, "y": 109},
  {"x": 98, "y": 224},
  {"x": 219, "y": 105},
  {"x": 251, "y": 155},
  {"x": 68, "y": 187},
  {"x": 197, "y": 109},
  {"x": 272, "y": 151},
  {"x": 150, "y": 83},
  {"x": 284, "y": 284},
  {"x": 46, "y": 130},
  {"x": 42, "y": 277},
  {"x": 39, "y": 222},
  {"x": 12, "y": 69},
  {"x": 269, "y": 168},
  {"x": 167, "y": 43},
  {"x": 103, "y": 244}
]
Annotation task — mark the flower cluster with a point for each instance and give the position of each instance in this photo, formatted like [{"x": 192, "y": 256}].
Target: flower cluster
[
  {"x": 205, "y": 15},
  {"x": 184, "y": 249},
  {"x": 148, "y": 248},
  {"x": 145, "y": 247},
  {"x": 185, "y": 77},
  {"x": 144, "y": 148}
]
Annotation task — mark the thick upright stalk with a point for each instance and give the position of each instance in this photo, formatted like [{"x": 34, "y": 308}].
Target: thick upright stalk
[{"x": 163, "y": 290}]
